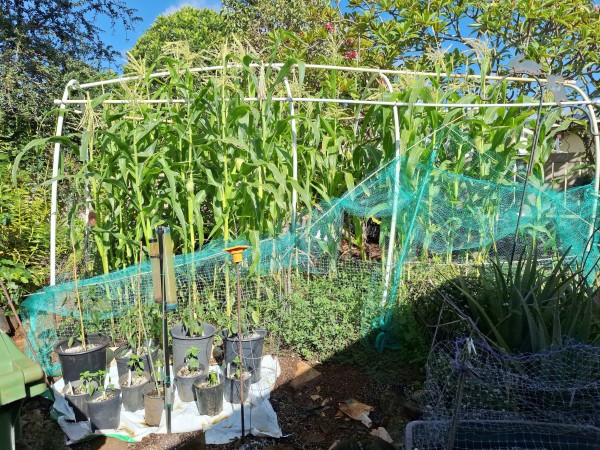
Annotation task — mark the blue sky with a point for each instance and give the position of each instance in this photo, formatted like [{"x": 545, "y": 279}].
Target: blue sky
[{"x": 148, "y": 10}]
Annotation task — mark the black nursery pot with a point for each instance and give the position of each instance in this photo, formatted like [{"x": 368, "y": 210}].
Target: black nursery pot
[
  {"x": 209, "y": 399},
  {"x": 182, "y": 342},
  {"x": 90, "y": 360},
  {"x": 133, "y": 397},
  {"x": 79, "y": 401},
  {"x": 123, "y": 361},
  {"x": 106, "y": 414},
  {"x": 252, "y": 350},
  {"x": 185, "y": 384},
  {"x": 231, "y": 390}
]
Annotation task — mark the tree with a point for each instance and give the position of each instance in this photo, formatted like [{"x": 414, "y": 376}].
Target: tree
[
  {"x": 40, "y": 43},
  {"x": 259, "y": 23},
  {"x": 200, "y": 29},
  {"x": 564, "y": 37}
]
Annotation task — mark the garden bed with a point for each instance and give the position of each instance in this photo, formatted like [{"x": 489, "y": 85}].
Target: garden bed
[{"x": 304, "y": 422}]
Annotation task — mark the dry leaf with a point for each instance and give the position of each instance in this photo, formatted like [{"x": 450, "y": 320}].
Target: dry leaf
[
  {"x": 314, "y": 398},
  {"x": 382, "y": 433},
  {"x": 357, "y": 411}
]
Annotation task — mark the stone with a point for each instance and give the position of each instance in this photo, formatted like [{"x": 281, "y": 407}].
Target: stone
[
  {"x": 413, "y": 410},
  {"x": 391, "y": 402},
  {"x": 4, "y": 326},
  {"x": 396, "y": 427},
  {"x": 315, "y": 438},
  {"x": 304, "y": 374},
  {"x": 418, "y": 396}
]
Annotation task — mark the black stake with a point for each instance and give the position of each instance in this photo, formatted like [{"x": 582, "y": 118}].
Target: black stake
[
  {"x": 167, "y": 381},
  {"x": 240, "y": 347}
]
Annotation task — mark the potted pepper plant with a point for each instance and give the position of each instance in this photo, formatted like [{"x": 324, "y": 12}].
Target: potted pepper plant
[
  {"x": 132, "y": 325},
  {"x": 252, "y": 346},
  {"x": 83, "y": 352},
  {"x": 154, "y": 397},
  {"x": 133, "y": 383},
  {"x": 192, "y": 332},
  {"x": 78, "y": 392},
  {"x": 233, "y": 379},
  {"x": 209, "y": 394},
  {"x": 187, "y": 373},
  {"x": 104, "y": 404}
]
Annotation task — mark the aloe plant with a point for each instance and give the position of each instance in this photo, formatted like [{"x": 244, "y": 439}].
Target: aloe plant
[{"x": 526, "y": 306}]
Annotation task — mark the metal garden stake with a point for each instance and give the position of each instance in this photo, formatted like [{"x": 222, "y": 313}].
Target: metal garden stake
[
  {"x": 163, "y": 276},
  {"x": 236, "y": 253}
]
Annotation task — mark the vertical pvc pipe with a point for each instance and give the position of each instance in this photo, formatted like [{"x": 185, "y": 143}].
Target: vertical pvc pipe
[
  {"x": 294, "y": 153},
  {"x": 594, "y": 127},
  {"x": 55, "y": 166},
  {"x": 391, "y": 242}
]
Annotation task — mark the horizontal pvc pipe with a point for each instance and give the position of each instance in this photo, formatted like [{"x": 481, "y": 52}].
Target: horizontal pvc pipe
[
  {"x": 351, "y": 102},
  {"x": 322, "y": 67}
]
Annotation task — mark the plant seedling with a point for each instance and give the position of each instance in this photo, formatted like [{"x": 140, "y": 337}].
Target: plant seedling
[
  {"x": 74, "y": 338},
  {"x": 136, "y": 364},
  {"x": 193, "y": 363},
  {"x": 212, "y": 379},
  {"x": 192, "y": 319},
  {"x": 86, "y": 379},
  {"x": 237, "y": 375},
  {"x": 90, "y": 388}
]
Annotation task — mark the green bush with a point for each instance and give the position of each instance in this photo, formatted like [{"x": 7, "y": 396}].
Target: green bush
[
  {"x": 24, "y": 234},
  {"x": 322, "y": 318}
]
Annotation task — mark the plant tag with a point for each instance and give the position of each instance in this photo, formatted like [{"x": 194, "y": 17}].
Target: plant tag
[
  {"x": 129, "y": 380},
  {"x": 106, "y": 381}
]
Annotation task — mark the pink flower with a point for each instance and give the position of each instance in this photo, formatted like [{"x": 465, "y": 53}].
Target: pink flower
[
  {"x": 328, "y": 27},
  {"x": 350, "y": 55}
]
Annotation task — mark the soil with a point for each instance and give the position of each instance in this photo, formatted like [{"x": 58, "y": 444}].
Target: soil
[
  {"x": 185, "y": 372},
  {"x": 135, "y": 381},
  {"x": 102, "y": 398},
  {"x": 79, "y": 348},
  {"x": 310, "y": 417}
]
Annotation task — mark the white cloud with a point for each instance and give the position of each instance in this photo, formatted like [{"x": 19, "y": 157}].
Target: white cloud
[{"x": 211, "y": 4}]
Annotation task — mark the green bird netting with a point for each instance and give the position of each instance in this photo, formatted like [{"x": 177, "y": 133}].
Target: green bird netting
[{"x": 449, "y": 211}]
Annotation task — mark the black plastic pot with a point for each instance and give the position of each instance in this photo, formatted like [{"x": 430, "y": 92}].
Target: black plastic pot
[
  {"x": 75, "y": 363},
  {"x": 209, "y": 399},
  {"x": 252, "y": 349},
  {"x": 154, "y": 405},
  {"x": 78, "y": 401},
  {"x": 231, "y": 389},
  {"x": 123, "y": 361},
  {"x": 184, "y": 384},
  {"x": 133, "y": 397},
  {"x": 182, "y": 342},
  {"x": 105, "y": 414}
]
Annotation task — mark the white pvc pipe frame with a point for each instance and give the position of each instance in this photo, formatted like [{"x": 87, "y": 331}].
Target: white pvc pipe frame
[{"x": 73, "y": 84}]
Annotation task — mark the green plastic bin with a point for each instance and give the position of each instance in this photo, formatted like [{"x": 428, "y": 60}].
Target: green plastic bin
[{"x": 20, "y": 377}]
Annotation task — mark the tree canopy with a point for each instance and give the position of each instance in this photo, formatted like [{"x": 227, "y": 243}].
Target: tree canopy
[
  {"x": 42, "y": 43},
  {"x": 201, "y": 29},
  {"x": 564, "y": 37}
]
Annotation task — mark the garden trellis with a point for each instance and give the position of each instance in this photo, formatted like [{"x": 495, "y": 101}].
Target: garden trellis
[{"x": 425, "y": 208}]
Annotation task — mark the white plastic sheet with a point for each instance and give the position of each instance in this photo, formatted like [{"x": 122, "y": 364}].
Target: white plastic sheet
[{"x": 259, "y": 417}]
